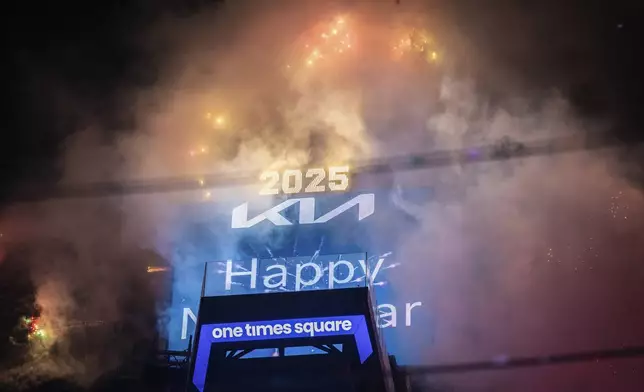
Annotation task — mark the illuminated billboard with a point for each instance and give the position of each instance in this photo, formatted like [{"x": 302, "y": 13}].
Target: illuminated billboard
[
  {"x": 328, "y": 239},
  {"x": 354, "y": 325}
]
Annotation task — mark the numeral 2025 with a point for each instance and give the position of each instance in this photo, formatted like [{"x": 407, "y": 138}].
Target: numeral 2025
[{"x": 292, "y": 181}]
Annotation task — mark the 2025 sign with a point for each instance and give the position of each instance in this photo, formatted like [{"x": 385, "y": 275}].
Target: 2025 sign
[{"x": 313, "y": 180}]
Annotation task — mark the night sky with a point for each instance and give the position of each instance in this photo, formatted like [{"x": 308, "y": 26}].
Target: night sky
[{"x": 67, "y": 65}]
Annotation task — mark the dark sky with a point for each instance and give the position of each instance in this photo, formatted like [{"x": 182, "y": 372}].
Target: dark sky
[
  {"x": 58, "y": 54},
  {"x": 69, "y": 61}
]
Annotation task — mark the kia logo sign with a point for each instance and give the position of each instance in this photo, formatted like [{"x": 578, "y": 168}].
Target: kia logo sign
[{"x": 240, "y": 220}]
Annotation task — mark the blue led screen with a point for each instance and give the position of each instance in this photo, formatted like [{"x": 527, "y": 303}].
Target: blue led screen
[
  {"x": 293, "y": 249},
  {"x": 278, "y": 329}
]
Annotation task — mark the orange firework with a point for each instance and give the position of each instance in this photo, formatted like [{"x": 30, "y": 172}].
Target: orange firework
[
  {"x": 324, "y": 43},
  {"x": 417, "y": 41}
]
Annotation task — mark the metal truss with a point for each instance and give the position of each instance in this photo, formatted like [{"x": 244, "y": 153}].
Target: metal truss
[{"x": 505, "y": 149}]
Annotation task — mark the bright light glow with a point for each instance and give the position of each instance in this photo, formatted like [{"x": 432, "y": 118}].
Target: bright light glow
[{"x": 157, "y": 269}]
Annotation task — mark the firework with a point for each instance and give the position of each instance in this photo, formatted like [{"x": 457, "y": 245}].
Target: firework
[
  {"x": 322, "y": 45},
  {"x": 34, "y": 328},
  {"x": 419, "y": 42}
]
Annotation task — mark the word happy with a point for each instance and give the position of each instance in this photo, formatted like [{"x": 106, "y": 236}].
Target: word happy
[{"x": 309, "y": 275}]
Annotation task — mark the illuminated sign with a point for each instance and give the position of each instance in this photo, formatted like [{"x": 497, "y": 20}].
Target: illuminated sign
[
  {"x": 335, "y": 179},
  {"x": 298, "y": 273},
  {"x": 261, "y": 254},
  {"x": 366, "y": 207},
  {"x": 321, "y": 272},
  {"x": 278, "y": 329}
]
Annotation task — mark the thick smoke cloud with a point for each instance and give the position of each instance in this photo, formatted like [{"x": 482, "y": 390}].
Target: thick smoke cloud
[{"x": 520, "y": 257}]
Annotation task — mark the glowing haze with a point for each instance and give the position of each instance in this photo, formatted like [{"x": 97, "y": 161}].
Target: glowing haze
[{"x": 512, "y": 258}]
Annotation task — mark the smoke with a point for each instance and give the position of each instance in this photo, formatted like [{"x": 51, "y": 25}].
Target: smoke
[
  {"x": 530, "y": 257},
  {"x": 543, "y": 261},
  {"x": 516, "y": 257}
]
